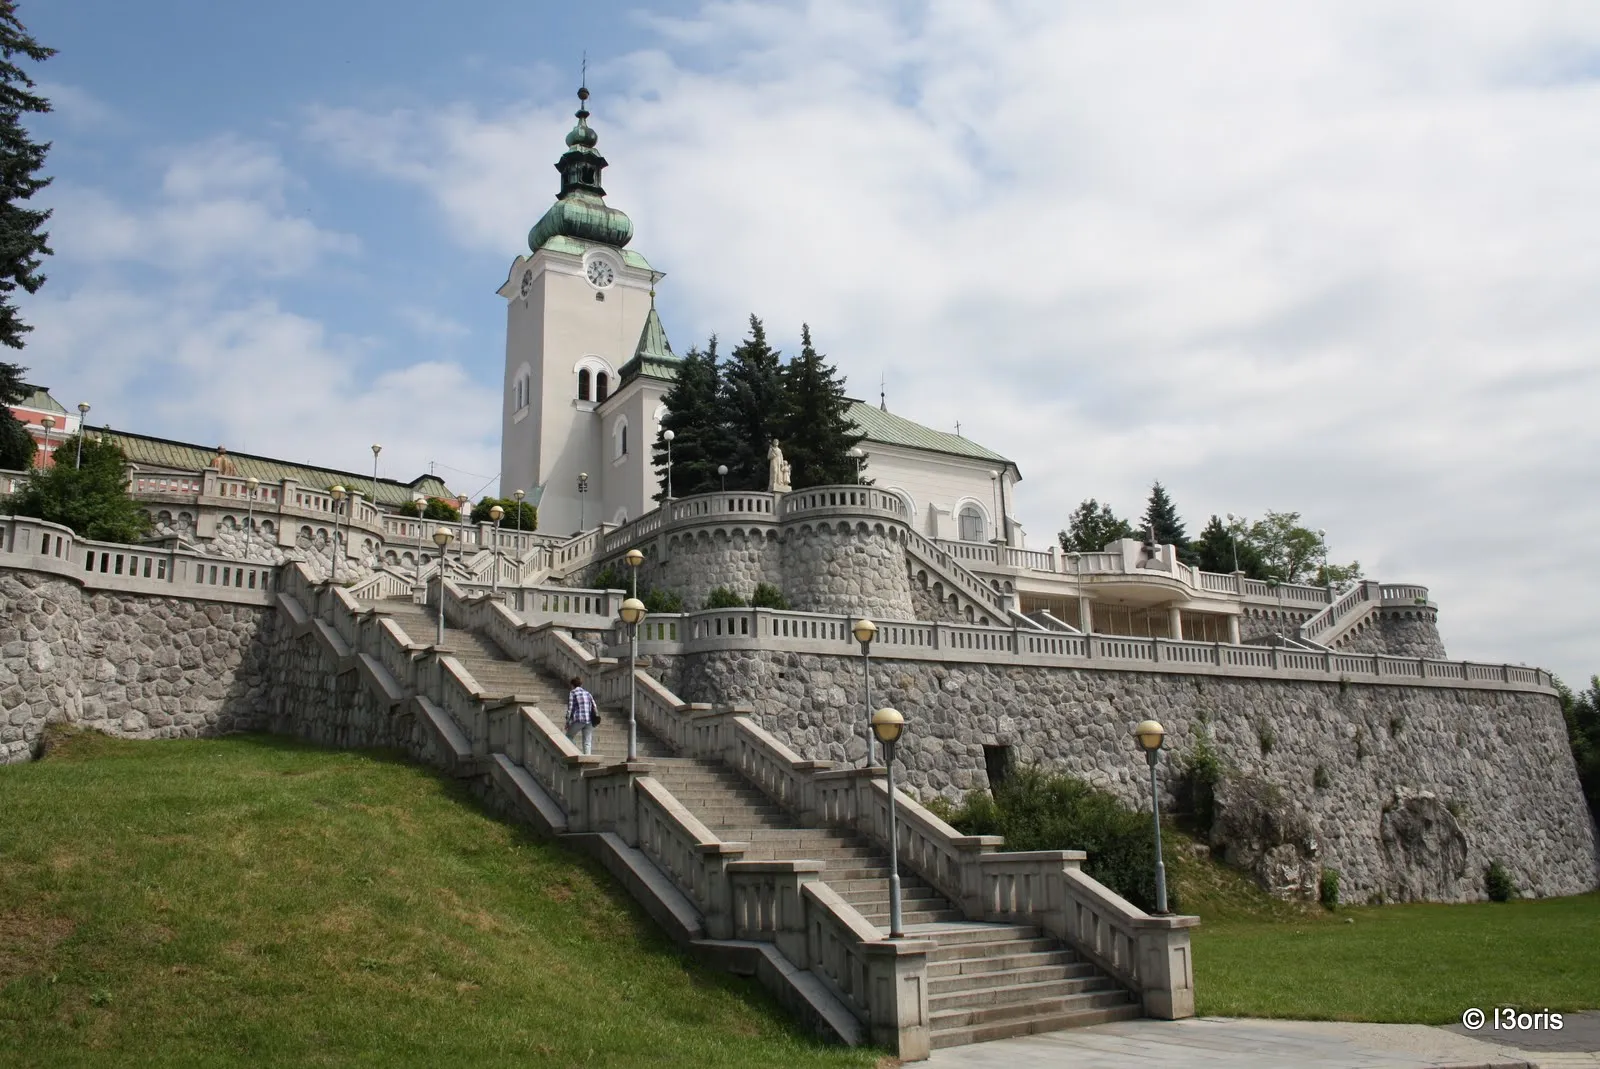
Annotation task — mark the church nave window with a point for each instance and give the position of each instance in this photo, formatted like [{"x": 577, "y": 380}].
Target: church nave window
[
  {"x": 602, "y": 386},
  {"x": 972, "y": 524},
  {"x": 583, "y": 385}
]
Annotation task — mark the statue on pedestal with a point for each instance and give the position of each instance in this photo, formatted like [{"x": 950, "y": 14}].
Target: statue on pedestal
[{"x": 777, "y": 469}]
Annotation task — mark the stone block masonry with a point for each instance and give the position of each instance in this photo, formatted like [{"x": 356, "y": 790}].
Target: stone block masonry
[
  {"x": 1409, "y": 791},
  {"x": 130, "y": 665}
]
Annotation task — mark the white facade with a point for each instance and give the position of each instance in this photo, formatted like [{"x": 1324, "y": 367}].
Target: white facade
[{"x": 952, "y": 497}]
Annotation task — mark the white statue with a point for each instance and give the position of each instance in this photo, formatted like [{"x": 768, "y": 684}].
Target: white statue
[{"x": 777, "y": 469}]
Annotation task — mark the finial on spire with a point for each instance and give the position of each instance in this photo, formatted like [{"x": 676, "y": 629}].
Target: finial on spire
[
  {"x": 655, "y": 276},
  {"x": 883, "y": 404}
]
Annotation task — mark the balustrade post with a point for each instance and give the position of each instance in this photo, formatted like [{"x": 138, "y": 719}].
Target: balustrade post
[{"x": 897, "y": 996}]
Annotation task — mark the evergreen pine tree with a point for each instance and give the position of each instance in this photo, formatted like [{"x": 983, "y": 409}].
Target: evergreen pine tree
[
  {"x": 1220, "y": 550},
  {"x": 16, "y": 444},
  {"x": 695, "y": 418},
  {"x": 22, "y": 243},
  {"x": 1161, "y": 516},
  {"x": 752, "y": 399},
  {"x": 816, "y": 431}
]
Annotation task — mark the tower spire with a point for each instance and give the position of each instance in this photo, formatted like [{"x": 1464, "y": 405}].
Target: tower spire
[{"x": 580, "y": 210}]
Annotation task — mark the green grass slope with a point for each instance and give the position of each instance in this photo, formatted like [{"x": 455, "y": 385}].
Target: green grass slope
[{"x": 253, "y": 901}]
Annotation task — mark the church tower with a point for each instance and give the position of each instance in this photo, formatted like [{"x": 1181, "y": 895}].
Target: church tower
[{"x": 579, "y": 308}]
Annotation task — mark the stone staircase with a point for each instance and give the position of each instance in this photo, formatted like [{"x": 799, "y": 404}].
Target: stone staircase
[{"x": 985, "y": 981}]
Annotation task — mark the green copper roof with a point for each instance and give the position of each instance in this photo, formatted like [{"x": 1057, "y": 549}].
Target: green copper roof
[
  {"x": 573, "y": 247},
  {"x": 881, "y": 426},
  {"x": 653, "y": 356},
  {"x": 40, "y": 400},
  {"x": 584, "y": 216},
  {"x": 182, "y": 456}
]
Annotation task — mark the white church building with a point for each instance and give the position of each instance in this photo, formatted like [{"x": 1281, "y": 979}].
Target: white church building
[{"x": 588, "y": 364}]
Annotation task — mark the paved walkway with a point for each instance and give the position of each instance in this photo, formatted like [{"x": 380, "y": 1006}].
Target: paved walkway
[{"x": 1238, "y": 1043}]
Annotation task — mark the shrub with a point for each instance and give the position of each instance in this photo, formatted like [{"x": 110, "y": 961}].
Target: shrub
[
  {"x": 723, "y": 598},
  {"x": 1328, "y": 889},
  {"x": 508, "y": 522},
  {"x": 1038, "y": 810},
  {"x": 1199, "y": 772},
  {"x": 1320, "y": 779},
  {"x": 1497, "y": 883},
  {"x": 611, "y": 578},
  {"x": 658, "y": 601},
  {"x": 768, "y": 596}
]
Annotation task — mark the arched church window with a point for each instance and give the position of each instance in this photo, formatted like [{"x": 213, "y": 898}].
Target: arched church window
[
  {"x": 602, "y": 386},
  {"x": 583, "y": 385},
  {"x": 624, "y": 450},
  {"x": 972, "y": 524}
]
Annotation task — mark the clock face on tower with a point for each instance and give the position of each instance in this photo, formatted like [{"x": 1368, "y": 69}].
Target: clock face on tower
[
  {"x": 527, "y": 281},
  {"x": 600, "y": 274}
]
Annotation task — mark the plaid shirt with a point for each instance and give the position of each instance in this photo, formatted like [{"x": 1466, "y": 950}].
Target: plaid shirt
[{"x": 580, "y": 707}]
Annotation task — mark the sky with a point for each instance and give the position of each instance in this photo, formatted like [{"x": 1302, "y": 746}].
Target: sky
[{"x": 1340, "y": 258}]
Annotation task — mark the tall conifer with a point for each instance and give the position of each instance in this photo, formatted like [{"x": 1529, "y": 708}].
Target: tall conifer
[
  {"x": 752, "y": 401},
  {"x": 816, "y": 430},
  {"x": 695, "y": 417},
  {"x": 1161, "y": 515},
  {"x": 22, "y": 242}
]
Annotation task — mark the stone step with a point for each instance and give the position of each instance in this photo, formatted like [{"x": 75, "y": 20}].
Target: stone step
[
  {"x": 910, "y": 916},
  {"x": 1003, "y": 961},
  {"x": 988, "y": 933},
  {"x": 970, "y": 1016},
  {"x": 960, "y": 951},
  {"x": 1011, "y": 971},
  {"x": 1004, "y": 991},
  {"x": 946, "y": 1034}
]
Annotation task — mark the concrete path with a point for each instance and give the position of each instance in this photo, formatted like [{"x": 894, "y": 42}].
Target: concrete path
[{"x": 1238, "y": 1043}]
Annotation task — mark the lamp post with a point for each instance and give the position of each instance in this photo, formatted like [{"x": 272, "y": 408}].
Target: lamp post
[
  {"x": 83, "y": 421},
  {"x": 858, "y": 455},
  {"x": 634, "y": 559},
  {"x": 48, "y": 423},
  {"x": 887, "y": 724},
  {"x": 668, "y": 436},
  {"x": 441, "y": 538},
  {"x": 494, "y": 514},
  {"x": 865, "y": 631},
  {"x": 1150, "y": 736},
  {"x": 583, "y": 488},
  {"x": 633, "y": 614},
  {"x": 461, "y": 519},
  {"x": 1322, "y": 542},
  {"x": 1233, "y": 536},
  {"x": 376, "y": 449},
  {"x": 422, "y": 547},
  {"x": 250, "y": 513},
  {"x": 338, "y": 493},
  {"x": 519, "y": 495},
  {"x": 722, "y": 473}
]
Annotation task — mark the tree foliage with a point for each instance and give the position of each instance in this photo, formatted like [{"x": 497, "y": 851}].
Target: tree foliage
[
  {"x": 1092, "y": 527},
  {"x": 435, "y": 508},
  {"x": 16, "y": 444},
  {"x": 1293, "y": 553},
  {"x": 1161, "y": 517},
  {"x": 92, "y": 499},
  {"x": 1582, "y": 713},
  {"x": 753, "y": 400},
  {"x": 1226, "y": 547},
  {"x": 816, "y": 430},
  {"x": 22, "y": 241},
  {"x": 695, "y": 417},
  {"x": 508, "y": 522}
]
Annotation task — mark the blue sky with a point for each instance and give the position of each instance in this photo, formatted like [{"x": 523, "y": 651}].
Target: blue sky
[{"x": 1335, "y": 258}]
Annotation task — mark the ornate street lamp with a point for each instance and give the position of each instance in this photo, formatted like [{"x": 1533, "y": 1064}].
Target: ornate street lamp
[
  {"x": 48, "y": 423},
  {"x": 887, "y": 725},
  {"x": 441, "y": 538},
  {"x": 83, "y": 416},
  {"x": 858, "y": 455},
  {"x": 1150, "y": 736},
  {"x": 338, "y": 493},
  {"x": 461, "y": 520},
  {"x": 633, "y": 614},
  {"x": 495, "y": 513},
  {"x": 583, "y": 488},
  {"x": 865, "y": 631},
  {"x": 422, "y": 547},
  {"x": 250, "y": 516},
  {"x": 668, "y": 436},
  {"x": 634, "y": 559},
  {"x": 519, "y": 495},
  {"x": 722, "y": 473}
]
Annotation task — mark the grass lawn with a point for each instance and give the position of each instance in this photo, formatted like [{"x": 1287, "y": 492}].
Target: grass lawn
[
  {"x": 1425, "y": 963},
  {"x": 253, "y": 901}
]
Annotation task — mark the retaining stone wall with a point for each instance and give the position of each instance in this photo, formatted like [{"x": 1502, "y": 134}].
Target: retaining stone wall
[
  {"x": 128, "y": 665},
  {"x": 837, "y": 569},
  {"x": 1411, "y": 634},
  {"x": 1496, "y": 763}
]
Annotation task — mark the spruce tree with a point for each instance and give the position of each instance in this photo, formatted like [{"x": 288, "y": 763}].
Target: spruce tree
[
  {"x": 1219, "y": 549},
  {"x": 1093, "y": 526},
  {"x": 696, "y": 419},
  {"x": 22, "y": 243},
  {"x": 1161, "y": 516},
  {"x": 752, "y": 400},
  {"x": 16, "y": 444},
  {"x": 816, "y": 430}
]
